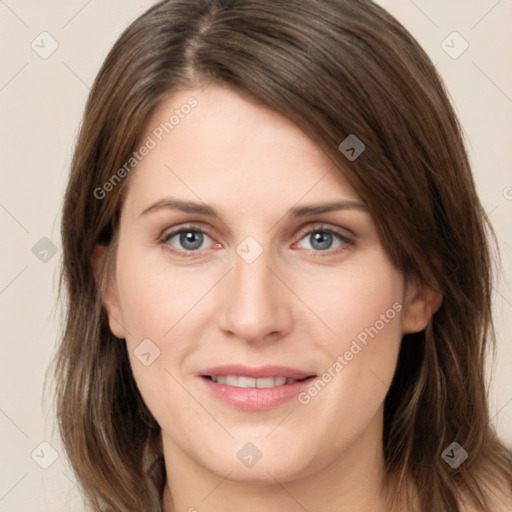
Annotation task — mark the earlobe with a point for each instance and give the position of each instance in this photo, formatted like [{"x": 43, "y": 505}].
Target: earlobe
[
  {"x": 105, "y": 284},
  {"x": 420, "y": 304}
]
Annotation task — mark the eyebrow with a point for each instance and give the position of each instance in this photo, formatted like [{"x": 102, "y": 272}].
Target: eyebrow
[{"x": 296, "y": 211}]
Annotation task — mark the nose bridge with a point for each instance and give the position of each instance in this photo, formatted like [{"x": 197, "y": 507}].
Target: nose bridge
[
  {"x": 252, "y": 280},
  {"x": 253, "y": 306}
]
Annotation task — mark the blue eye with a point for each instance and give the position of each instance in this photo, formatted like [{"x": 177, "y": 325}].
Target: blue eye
[
  {"x": 188, "y": 239},
  {"x": 323, "y": 240}
]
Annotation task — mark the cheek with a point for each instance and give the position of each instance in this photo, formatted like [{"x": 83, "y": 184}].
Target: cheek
[
  {"x": 164, "y": 311},
  {"x": 361, "y": 305},
  {"x": 156, "y": 298},
  {"x": 355, "y": 299},
  {"x": 157, "y": 304}
]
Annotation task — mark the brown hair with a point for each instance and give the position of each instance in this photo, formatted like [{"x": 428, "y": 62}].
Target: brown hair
[{"x": 334, "y": 67}]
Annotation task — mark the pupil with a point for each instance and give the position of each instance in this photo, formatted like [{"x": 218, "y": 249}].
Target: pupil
[{"x": 321, "y": 241}]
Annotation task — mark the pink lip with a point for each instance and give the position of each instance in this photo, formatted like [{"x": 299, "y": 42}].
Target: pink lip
[
  {"x": 256, "y": 399},
  {"x": 258, "y": 373}
]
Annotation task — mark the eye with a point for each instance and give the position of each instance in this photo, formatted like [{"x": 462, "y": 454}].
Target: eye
[
  {"x": 189, "y": 241},
  {"x": 320, "y": 240},
  {"x": 186, "y": 240}
]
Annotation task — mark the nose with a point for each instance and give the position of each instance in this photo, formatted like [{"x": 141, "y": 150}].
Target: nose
[{"x": 255, "y": 305}]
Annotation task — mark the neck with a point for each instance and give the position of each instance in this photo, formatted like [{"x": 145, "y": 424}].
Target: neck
[{"x": 352, "y": 482}]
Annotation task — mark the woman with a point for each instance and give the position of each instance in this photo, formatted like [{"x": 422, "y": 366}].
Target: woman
[{"x": 278, "y": 271}]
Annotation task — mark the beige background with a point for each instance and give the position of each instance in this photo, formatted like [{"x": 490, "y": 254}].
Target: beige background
[{"x": 41, "y": 102}]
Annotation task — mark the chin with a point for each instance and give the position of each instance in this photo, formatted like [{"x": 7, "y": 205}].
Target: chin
[{"x": 262, "y": 461}]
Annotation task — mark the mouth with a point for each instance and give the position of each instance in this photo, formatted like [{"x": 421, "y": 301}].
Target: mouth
[{"x": 255, "y": 389}]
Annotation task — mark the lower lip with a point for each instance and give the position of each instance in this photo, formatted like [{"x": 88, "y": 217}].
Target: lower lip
[{"x": 256, "y": 399}]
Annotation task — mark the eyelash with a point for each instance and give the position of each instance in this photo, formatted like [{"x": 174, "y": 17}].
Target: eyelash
[{"x": 346, "y": 242}]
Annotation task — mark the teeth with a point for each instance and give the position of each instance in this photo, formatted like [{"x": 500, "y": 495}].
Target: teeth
[
  {"x": 231, "y": 380},
  {"x": 245, "y": 382},
  {"x": 280, "y": 381},
  {"x": 240, "y": 381}
]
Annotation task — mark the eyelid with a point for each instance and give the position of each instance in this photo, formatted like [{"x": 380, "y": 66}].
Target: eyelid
[
  {"x": 192, "y": 226},
  {"x": 329, "y": 228}
]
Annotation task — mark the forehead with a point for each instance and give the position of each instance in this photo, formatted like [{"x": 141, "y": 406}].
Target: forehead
[{"x": 225, "y": 149}]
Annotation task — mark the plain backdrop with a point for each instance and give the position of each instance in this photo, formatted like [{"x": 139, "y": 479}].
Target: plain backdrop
[{"x": 42, "y": 97}]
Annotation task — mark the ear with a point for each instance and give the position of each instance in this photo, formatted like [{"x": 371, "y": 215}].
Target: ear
[
  {"x": 106, "y": 285},
  {"x": 420, "y": 304}
]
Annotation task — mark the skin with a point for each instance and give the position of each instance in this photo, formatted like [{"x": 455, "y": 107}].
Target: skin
[{"x": 295, "y": 305}]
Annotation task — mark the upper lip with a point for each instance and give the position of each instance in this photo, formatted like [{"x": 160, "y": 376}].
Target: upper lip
[{"x": 256, "y": 372}]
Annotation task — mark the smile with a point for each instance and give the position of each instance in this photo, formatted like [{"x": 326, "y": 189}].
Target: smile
[{"x": 254, "y": 389}]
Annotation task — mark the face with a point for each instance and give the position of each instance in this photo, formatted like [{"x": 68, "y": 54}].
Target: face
[{"x": 255, "y": 297}]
